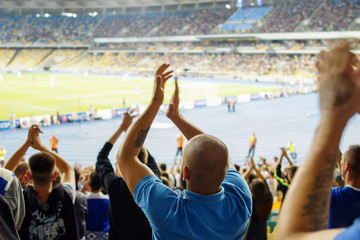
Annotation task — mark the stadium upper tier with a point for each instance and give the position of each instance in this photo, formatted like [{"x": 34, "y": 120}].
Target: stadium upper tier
[{"x": 311, "y": 15}]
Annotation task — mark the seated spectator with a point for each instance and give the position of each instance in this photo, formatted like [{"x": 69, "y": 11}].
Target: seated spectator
[
  {"x": 125, "y": 216},
  {"x": 213, "y": 190},
  {"x": 98, "y": 206},
  {"x": 344, "y": 203},
  {"x": 47, "y": 207},
  {"x": 304, "y": 214}
]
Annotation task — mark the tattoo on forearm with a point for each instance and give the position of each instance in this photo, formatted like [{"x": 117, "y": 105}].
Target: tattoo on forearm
[
  {"x": 317, "y": 208},
  {"x": 141, "y": 137}
]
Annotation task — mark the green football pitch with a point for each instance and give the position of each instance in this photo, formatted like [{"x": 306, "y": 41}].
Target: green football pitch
[{"x": 39, "y": 93}]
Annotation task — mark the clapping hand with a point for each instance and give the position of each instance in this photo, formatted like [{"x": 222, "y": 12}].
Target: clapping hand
[
  {"x": 160, "y": 78},
  {"x": 173, "y": 109}
]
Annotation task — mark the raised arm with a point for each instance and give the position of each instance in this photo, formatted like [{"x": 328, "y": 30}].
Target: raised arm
[
  {"x": 304, "y": 214},
  {"x": 15, "y": 159},
  {"x": 258, "y": 173},
  {"x": 131, "y": 168},
  {"x": 64, "y": 167},
  {"x": 127, "y": 120},
  {"x": 174, "y": 115}
]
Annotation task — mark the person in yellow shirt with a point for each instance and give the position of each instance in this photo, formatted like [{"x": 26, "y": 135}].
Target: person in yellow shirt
[
  {"x": 290, "y": 150},
  {"x": 2, "y": 153},
  {"x": 252, "y": 145},
  {"x": 180, "y": 145}
]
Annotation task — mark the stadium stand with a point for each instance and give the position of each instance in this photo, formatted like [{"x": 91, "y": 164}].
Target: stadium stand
[
  {"x": 10, "y": 28},
  {"x": 244, "y": 18},
  {"x": 42, "y": 29},
  {"x": 336, "y": 15},
  {"x": 285, "y": 17}
]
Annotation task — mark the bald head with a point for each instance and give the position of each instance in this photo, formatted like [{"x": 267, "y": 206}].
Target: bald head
[{"x": 206, "y": 160}]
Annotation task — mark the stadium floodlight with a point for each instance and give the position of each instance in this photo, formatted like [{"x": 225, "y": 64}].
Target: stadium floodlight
[
  {"x": 47, "y": 15},
  {"x": 37, "y": 15},
  {"x": 228, "y": 6},
  {"x": 74, "y": 15}
]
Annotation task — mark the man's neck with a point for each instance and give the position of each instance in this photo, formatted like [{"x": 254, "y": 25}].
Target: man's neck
[
  {"x": 43, "y": 192},
  {"x": 354, "y": 182}
]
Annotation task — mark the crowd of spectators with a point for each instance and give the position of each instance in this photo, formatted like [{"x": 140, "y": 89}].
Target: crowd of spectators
[
  {"x": 334, "y": 16},
  {"x": 285, "y": 17},
  {"x": 42, "y": 29},
  {"x": 203, "y": 195},
  {"x": 236, "y": 64}
]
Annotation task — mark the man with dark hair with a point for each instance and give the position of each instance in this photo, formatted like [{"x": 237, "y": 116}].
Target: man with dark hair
[
  {"x": 98, "y": 207},
  {"x": 50, "y": 212},
  {"x": 217, "y": 202},
  {"x": 305, "y": 212},
  {"x": 345, "y": 202},
  {"x": 125, "y": 216}
]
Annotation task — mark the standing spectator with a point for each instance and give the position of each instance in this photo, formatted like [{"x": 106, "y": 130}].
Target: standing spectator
[
  {"x": 252, "y": 142},
  {"x": 97, "y": 222},
  {"x": 11, "y": 190},
  {"x": 8, "y": 230},
  {"x": 180, "y": 145},
  {"x": 217, "y": 202},
  {"x": 305, "y": 212},
  {"x": 344, "y": 204},
  {"x": 54, "y": 143},
  {"x": 262, "y": 204},
  {"x": 50, "y": 212},
  {"x": 2, "y": 153},
  {"x": 20, "y": 173},
  {"x": 81, "y": 208},
  {"x": 127, "y": 221},
  {"x": 284, "y": 180}
]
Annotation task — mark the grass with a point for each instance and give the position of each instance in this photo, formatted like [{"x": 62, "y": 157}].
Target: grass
[{"x": 33, "y": 94}]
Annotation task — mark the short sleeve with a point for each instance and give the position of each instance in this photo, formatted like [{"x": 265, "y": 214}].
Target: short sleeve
[
  {"x": 69, "y": 189},
  {"x": 352, "y": 232},
  {"x": 155, "y": 199}
]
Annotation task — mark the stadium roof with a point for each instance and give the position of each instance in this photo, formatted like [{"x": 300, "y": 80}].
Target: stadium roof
[{"x": 99, "y": 3}]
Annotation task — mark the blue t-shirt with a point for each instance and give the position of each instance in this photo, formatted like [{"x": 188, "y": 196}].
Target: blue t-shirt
[
  {"x": 223, "y": 215},
  {"x": 344, "y": 207},
  {"x": 351, "y": 233}
]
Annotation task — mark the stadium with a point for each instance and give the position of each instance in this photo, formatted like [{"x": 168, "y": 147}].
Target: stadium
[{"x": 76, "y": 68}]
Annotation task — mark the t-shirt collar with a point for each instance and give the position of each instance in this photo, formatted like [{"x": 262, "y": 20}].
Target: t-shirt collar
[{"x": 204, "y": 199}]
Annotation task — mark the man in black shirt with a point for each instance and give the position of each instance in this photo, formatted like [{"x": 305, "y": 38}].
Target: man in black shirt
[{"x": 127, "y": 220}]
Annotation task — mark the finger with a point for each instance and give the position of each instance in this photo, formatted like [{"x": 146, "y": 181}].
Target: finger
[
  {"x": 162, "y": 68},
  {"x": 167, "y": 73},
  {"x": 166, "y": 78}
]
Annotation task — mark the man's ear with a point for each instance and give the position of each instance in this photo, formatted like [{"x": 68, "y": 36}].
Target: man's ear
[
  {"x": 185, "y": 173},
  {"x": 55, "y": 175},
  {"x": 28, "y": 174}
]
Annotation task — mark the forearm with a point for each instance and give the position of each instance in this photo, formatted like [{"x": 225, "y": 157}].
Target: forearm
[
  {"x": 188, "y": 129},
  {"x": 116, "y": 135},
  {"x": 308, "y": 198},
  {"x": 136, "y": 135},
  {"x": 258, "y": 173},
  {"x": 15, "y": 159}
]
